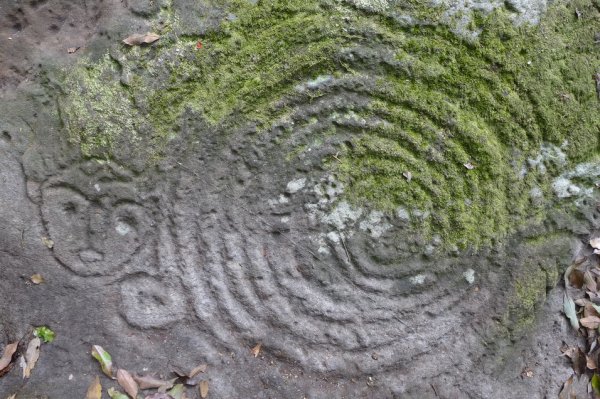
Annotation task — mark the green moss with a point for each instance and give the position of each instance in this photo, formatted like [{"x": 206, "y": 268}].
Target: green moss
[
  {"x": 492, "y": 102},
  {"x": 440, "y": 101},
  {"x": 97, "y": 109},
  {"x": 528, "y": 294}
]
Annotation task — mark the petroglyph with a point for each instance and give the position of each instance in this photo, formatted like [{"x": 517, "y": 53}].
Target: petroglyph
[
  {"x": 299, "y": 181},
  {"x": 99, "y": 226}
]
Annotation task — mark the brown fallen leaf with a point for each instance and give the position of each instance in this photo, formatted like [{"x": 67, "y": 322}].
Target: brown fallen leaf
[
  {"x": 127, "y": 382},
  {"x": 568, "y": 351},
  {"x": 592, "y": 322},
  {"x": 595, "y": 243},
  {"x": 71, "y": 50},
  {"x": 527, "y": 372},
  {"x": 13, "y": 396},
  {"x": 137, "y": 39},
  {"x": 590, "y": 282},
  {"x": 9, "y": 351},
  {"x": 37, "y": 278},
  {"x": 159, "y": 395},
  {"x": 591, "y": 362},
  {"x": 94, "y": 390},
  {"x": 204, "y": 389},
  {"x": 31, "y": 357},
  {"x": 567, "y": 389},
  {"x": 148, "y": 381},
  {"x": 256, "y": 350},
  {"x": 576, "y": 278},
  {"x": 577, "y": 356},
  {"x": 199, "y": 369},
  {"x": 589, "y": 309},
  {"x": 47, "y": 242}
]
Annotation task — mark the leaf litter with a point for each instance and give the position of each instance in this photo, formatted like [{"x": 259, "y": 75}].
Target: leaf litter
[
  {"x": 126, "y": 381},
  {"x": 31, "y": 357},
  {"x": 132, "y": 384},
  {"x": 139, "y": 39},
  {"x": 581, "y": 305},
  {"x": 94, "y": 390},
  {"x": 7, "y": 356}
]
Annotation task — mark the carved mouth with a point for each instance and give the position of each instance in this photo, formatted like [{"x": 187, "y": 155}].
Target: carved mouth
[{"x": 89, "y": 255}]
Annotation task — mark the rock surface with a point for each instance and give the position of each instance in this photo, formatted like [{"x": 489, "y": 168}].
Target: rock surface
[{"x": 382, "y": 194}]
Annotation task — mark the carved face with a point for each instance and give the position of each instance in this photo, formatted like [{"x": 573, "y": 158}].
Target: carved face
[{"x": 96, "y": 225}]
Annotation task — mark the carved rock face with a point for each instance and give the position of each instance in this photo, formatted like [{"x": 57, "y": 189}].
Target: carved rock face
[{"x": 94, "y": 219}]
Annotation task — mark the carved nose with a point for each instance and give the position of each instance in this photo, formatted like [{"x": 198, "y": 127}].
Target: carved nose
[{"x": 89, "y": 255}]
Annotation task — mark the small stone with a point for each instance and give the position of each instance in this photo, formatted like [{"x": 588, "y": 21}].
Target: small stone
[{"x": 375, "y": 356}]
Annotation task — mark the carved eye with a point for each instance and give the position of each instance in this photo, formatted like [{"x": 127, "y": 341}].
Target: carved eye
[
  {"x": 125, "y": 224},
  {"x": 127, "y": 219},
  {"x": 70, "y": 207}
]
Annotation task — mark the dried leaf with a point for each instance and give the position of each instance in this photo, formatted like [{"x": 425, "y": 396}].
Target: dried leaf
[
  {"x": 578, "y": 362},
  {"x": 199, "y": 369},
  {"x": 576, "y": 279},
  {"x": 114, "y": 394},
  {"x": 37, "y": 279},
  {"x": 95, "y": 390},
  {"x": 204, "y": 389},
  {"x": 9, "y": 351},
  {"x": 127, "y": 382},
  {"x": 590, "y": 283},
  {"x": 178, "y": 391},
  {"x": 567, "y": 389},
  {"x": 595, "y": 243},
  {"x": 568, "y": 351},
  {"x": 256, "y": 350},
  {"x": 569, "y": 309},
  {"x": 13, "y": 396},
  {"x": 527, "y": 372},
  {"x": 71, "y": 50},
  {"x": 592, "y": 322},
  {"x": 167, "y": 385},
  {"x": 148, "y": 381},
  {"x": 581, "y": 302},
  {"x": 31, "y": 356},
  {"x": 48, "y": 242},
  {"x": 596, "y": 308},
  {"x": 591, "y": 362},
  {"x": 407, "y": 175},
  {"x": 469, "y": 166},
  {"x": 137, "y": 39},
  {"x": 104, "y": 358}
]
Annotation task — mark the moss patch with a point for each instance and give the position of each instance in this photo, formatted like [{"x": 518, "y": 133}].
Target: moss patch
[{"x": 440, "y": 101}]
